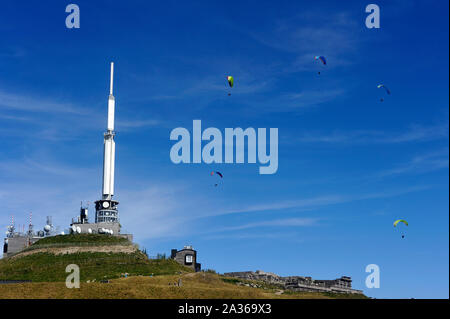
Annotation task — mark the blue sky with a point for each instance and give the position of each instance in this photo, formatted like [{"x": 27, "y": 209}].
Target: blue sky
[{"x": 349, "y": 165}]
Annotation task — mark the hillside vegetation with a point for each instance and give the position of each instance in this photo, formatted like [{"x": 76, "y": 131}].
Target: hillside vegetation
[
  {"x": 81, "y": 239},
  {"x": 193, "y": 286},
  {"x": 78, "y": 243},
  {"x": 48, "y": 267},
  {"x": 98, "y": 256}
]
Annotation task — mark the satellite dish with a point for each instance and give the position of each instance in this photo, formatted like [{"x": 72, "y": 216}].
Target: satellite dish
[
  {"x": 112, "y": 232},
  {"x": 47, "y": 228},
  {"x": 74, "y": 229},
  {"x": 78, "y": 230},
  {"x": 105, "y": 204},
  {"x": 90, "y": 231}
]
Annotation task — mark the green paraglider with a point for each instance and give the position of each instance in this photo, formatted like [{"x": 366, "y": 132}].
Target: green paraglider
[
  {"x": 230, "y": 80},
  {"x": 401, "y": 221}
]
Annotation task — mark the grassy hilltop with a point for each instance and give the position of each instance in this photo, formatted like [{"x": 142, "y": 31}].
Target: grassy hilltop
[
  {"x": 94, "y": 239},
  {"x": 105, "y": 258},
  {"x": 98, "y": 256},
  {"x": 47, "y": 267}
]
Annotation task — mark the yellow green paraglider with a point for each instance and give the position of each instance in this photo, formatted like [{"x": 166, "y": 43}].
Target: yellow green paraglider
[
  {"x": 230, "y": 80},
  {"x": 401, "y": 221}
]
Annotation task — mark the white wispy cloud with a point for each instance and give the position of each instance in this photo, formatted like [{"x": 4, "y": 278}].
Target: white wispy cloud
[
  {"x": 162, "y": 210},
  {"x": 287, "y": 222},
  {"x": 312, "y": 33},
  {"x": 16, "y": 118},
  {"x": 287, "y": 204},
  {"x": 416, "y": 133},
  {"x": 165, "y": 211},
  {"x": 292, "y": 236},
  {"x": 129, "y": 124},
  {"x": 23, "y": 102},
  {"x": 312, "y": 97},
  {"x": 314, "y": 202},
  {"x": 28, "y": 167},
  {"x": 419, "y": 164}
]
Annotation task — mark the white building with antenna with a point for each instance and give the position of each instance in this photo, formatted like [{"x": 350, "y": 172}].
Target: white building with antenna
[
  {"x": 106, "y": 208},
  {"x": 106, "y": 212}
]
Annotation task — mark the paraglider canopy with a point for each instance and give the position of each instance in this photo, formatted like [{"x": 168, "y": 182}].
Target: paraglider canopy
[
  {"x": 385, "y": 87},
  {"x": 230, "y": 81},
  {"x": 321, "y": 58},
  {"x": 218, "y": 173},
  {"x": 400, "y": 221}
]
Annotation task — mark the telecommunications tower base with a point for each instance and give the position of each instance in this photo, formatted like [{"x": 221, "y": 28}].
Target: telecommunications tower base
[{"x": 106, "y": 213}]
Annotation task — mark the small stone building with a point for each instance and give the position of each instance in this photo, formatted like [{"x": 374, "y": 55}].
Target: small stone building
[{"x": 186, "y": 257}]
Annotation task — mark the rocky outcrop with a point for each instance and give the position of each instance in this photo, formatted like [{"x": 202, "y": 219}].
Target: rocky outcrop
[{"x": 299, "y": 283}]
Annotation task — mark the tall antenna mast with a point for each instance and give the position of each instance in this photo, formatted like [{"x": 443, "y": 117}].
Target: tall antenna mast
[
  {"x": 106, "y": 207},
  {"x": 111, "y": 80}
]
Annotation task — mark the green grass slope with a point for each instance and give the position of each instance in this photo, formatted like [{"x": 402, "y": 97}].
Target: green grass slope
[
  {"x": 48, "y": 267},
  {"x": 81, "y": 239},
  {"x": 194, "y": 286}
]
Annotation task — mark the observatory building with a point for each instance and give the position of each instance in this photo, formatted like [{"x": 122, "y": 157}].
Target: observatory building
[{"x": 106, "y": 212}]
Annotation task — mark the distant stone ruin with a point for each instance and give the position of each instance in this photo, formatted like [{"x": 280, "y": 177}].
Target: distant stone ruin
[{"x": 299, "y": 283}]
